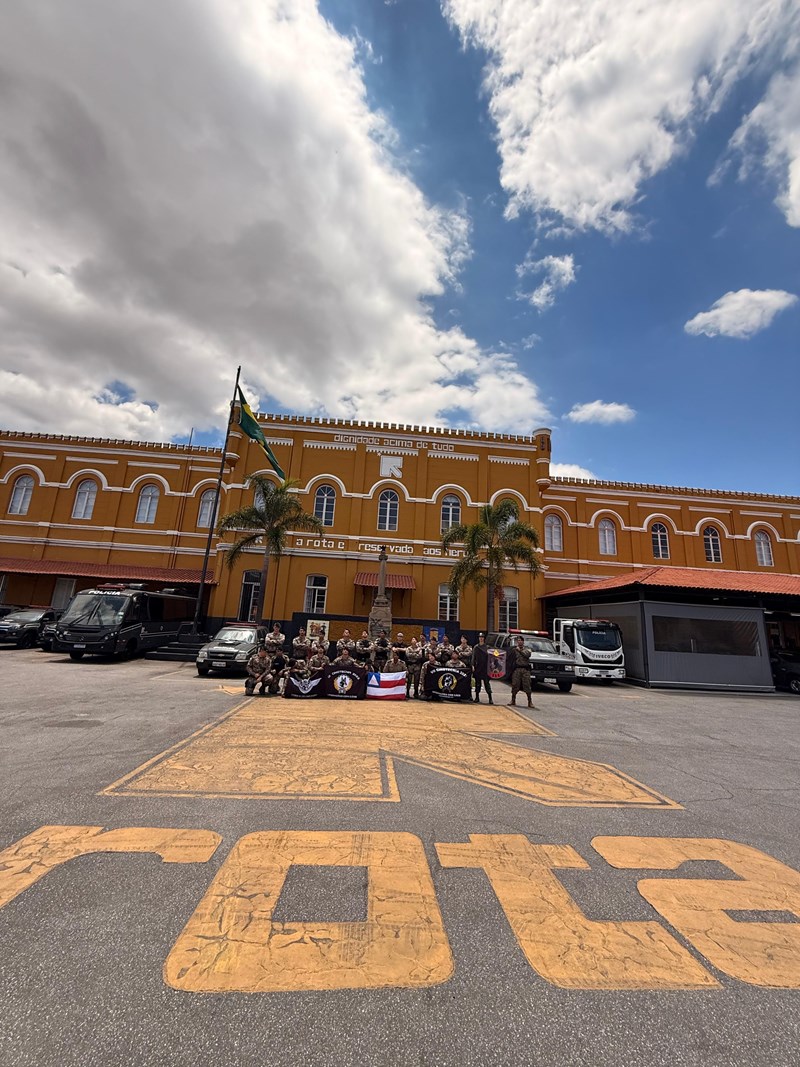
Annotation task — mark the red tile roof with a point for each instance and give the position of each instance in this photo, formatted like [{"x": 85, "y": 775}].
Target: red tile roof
[
  {"x": 695, "y": 578},
  {"x": 128, "y": 572},
  {"x": 393, "y": 581}
]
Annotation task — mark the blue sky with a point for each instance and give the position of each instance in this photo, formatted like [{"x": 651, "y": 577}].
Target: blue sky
[{"x": 487, "y": 214}]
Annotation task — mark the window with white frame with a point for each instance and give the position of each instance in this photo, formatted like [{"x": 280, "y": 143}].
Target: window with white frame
[
  {"x": 553, "y": 533},
  {"x": 712, "y": 544},
  {"x": 658, "y": 532},
  {"x": 316, "y": 594},
  {"x": 388, "y": 509},
  {"x": 21, "y": 495},
  {"x": 325, "y": 504},
  {"x": 84, "y": 499},
  {"x": 148, "y": 504},
  {"x": 764, "y": 549},
  {"x": 509, "y": 609},
  {"x": 451, "y": 512},
  {"x": 205, "y": 513},
  {"x": 448, "y": 604},
  {"x": 607, "y": 533}
]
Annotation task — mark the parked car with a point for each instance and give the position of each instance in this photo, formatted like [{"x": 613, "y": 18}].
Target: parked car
[
  {"x": 547, "y": 664},
  {"x": 47, "y": 633},
  {"x": 231, "y": 648},
  {"x": 6, "y": 609},
  {"x": 786, "y": 669},
  {"x": 23, "y": 628}
]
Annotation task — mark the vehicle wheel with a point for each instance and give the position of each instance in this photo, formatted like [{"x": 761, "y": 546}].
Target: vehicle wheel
[
  {"x": 794, "y": 685},
  {"x": 76, "y": 655},
  {"x": 203, "y": 671},
  {"x": 28, "y": 641},
  {"x": 564, "y": 687},
  {"x": 130, "y": 650}
]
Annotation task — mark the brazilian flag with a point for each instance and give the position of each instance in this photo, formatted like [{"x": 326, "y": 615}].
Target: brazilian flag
[{"x": 248, "y": 423}]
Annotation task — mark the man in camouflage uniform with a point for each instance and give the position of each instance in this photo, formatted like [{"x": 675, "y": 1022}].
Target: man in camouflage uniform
[
  {"x": 364, "y": 649},
  {"x": 344, "y": 659},
  {"x": 521, "y": 671},
  {"x": 345, "y": 642},
  {"x": 464, "y": 652},
  {"x": 427, "y": 666},
  {"x": 432, "y": 648},
  {"x": 259, "y": 672},
  {"x": 301, "y": 646},
  {"x": 318, "y": 659},
  {"x": 415, "y": 654},
  {"x": 445, "y": 651},
  {"x": 275, "y": 640}
]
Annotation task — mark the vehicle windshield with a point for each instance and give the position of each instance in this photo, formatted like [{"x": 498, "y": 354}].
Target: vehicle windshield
[
  {"x": 24, "y": 616},
  {"x": 602, "y": 639},
  {"x": 235, "y": 637},
  {"x": 541, "y": 644},
  {"x": 95, "y": 609}
]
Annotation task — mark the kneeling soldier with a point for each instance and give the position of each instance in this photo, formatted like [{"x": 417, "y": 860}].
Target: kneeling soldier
[{"x": 259, "y": 672}]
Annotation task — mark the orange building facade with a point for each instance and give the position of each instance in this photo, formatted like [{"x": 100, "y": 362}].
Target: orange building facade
[{"x": 78, "y": 511}]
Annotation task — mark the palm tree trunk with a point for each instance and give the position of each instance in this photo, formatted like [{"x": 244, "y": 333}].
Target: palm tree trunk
[
  {"x": 262, "y": 589},
  {"x": 489, "y": 609}
]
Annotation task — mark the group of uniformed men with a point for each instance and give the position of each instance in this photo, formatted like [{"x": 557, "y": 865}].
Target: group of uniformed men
[{"x": 269, "y": 667}]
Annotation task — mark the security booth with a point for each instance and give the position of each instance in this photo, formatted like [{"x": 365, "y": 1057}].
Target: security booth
[{"x": 692, "y": 628}]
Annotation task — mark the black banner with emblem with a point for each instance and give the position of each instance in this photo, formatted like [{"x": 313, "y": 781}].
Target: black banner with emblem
[
  {"x": 448, "y": 683},
  {"x": 346, "y": 683},
  {"x": 298, "y": 685}
]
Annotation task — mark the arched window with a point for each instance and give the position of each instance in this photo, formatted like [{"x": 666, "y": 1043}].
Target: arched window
[
  {"x": 764, "y": 549},
  {"x": 658, "y": 532},
  {"x": 448, "y": 604},
  {"x": 607, "y": 533},
  {"x": 388, "y": 507},
  {"x": 325, "y": 504},
  {"x": 205, "y": 513},
  {"x": 553, "y": 533},
  {"x": 84, "y": 499},
  {"x": 712, "y": 544},
  {"x": 21, "y": 495},
  {"x": 451, "y": 512},
  {"x": 148, "y": 504}
]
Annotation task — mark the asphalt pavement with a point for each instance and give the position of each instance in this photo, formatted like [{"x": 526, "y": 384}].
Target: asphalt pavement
[{"x": 335, "y": 882}]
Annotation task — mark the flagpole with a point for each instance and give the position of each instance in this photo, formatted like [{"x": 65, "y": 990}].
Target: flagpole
[{"x": 198, "y": 608}]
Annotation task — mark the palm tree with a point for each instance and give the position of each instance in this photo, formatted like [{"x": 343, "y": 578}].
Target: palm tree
[
  {"x": 275, "y": 511},
  {"x": 497, "y": 541}
]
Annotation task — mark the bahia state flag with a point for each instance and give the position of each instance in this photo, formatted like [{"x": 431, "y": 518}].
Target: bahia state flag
[
  {"x": 387, "y": 686},
  {"x": 249, "y": 423}
]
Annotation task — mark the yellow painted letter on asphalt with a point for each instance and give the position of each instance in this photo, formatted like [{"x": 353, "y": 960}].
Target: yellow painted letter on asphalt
[
  {"x": 31, "y": 858},
  {"x": 558, "y": 940},
  {"x": 231, "y": 943},
  {"x": 760, "y": 953}
]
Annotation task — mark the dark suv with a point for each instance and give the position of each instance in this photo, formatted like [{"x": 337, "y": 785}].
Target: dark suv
[
  {"x": 231, "y": 648},
  {"x": 786, "y": 669},
  {"x": 23, "y": 628},
  {"x": 547, "y": 664}
]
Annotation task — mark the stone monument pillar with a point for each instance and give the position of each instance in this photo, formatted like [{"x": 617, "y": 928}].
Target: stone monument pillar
[{"x": 380, "y": 616}]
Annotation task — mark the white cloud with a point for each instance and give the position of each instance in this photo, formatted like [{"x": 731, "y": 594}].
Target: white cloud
[
  {"x": 773, "y": 128},
  {"x": 591, "y": 99},
  {"x": 602, "y": 412},
  {"x": 231, "y": 200},
  {"x": 571, "y": 470},
  {"x": 558, "y": 271},
  {"x": 741, "y": 314}
]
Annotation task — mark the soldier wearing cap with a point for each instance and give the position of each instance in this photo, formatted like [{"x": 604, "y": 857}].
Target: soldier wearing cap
[{"x": 381, "y": 650}]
